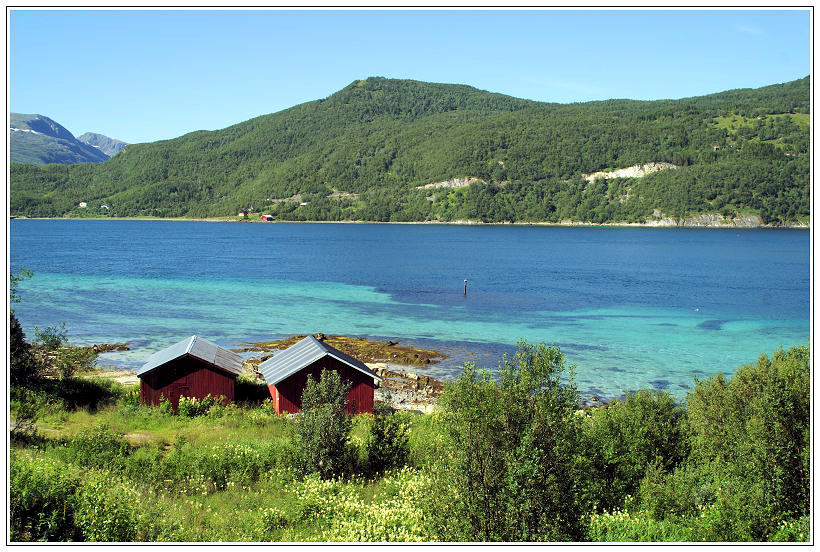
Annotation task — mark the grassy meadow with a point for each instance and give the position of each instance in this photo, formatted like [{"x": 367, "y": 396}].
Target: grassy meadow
[{"x": 505, "y": 457}]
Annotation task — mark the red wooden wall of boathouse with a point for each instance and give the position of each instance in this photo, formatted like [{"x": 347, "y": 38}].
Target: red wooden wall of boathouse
[
  {"x": 186, "y": 376},
  {"x": 287, "y": 394}
]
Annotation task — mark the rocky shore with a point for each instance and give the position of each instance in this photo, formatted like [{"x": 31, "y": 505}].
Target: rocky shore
[
  {"x": 403, "y": 388},
  {"x": 403, "y": 385}
]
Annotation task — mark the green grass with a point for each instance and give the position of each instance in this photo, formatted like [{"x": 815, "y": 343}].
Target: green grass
[
  {"x": 105, "y": 468},
  {"x": 224, "y": 476},
  {"x": 734, "y": 122}
]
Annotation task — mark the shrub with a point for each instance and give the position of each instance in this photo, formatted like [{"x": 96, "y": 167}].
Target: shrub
[
  {"x": 107, "y": 510},
  {"x": 51, "y": 338},
  {"x": 97, "y": 447},
  {"x": 74, "y": 393},
  {"x": 249, "y": 390},
  {"x": 23, "y": 367},
  {"x": 514, "y": 445},
  {"x": 192, "y": 407},
  {"x": 130, "y": 400},
  {"x": 165, "y": 405},
  {"x": 681, "y": 492},
  {"x": 324, "y": 427},
  {"x": 793, "y": 530},
  {"x": 204, "y": 469},
  {"x": 753, "y": 435},
  {"x": 387, "y": 444},
  {"x": 26, "y": 407},
  {"x": 73, "y": 360},
  {"x": 624, "y": 439},
  {"x": 42, "y": 500}
]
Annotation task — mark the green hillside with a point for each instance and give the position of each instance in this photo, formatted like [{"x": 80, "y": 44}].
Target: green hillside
[{"x": 361, "y": 153}]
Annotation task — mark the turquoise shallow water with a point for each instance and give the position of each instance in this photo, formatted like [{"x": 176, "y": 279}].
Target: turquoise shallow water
[{"x": 630, "y": 308}]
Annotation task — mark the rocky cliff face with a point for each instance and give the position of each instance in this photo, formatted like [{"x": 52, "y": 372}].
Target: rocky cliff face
[
  {"x": 713, "y": 220},
  {"x": 454, "y": 183},
  {"x": 635, "y": 171}
]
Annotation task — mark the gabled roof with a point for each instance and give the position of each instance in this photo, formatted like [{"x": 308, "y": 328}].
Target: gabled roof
[
  {"x": 306, "y": 352},
  {"x": 197, "y": 347}
]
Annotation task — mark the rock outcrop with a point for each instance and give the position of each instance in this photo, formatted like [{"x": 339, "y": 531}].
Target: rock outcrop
[
  {"x": 711, "y": 220},
  {"x": 453, "y": 183},
  {"x": 635, "y": 171}
]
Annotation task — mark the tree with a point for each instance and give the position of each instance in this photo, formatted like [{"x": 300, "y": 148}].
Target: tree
[
  {"x": 388, "y": 444},
  {"x": 324, "y": 426},
  {"x": 626, "y": 439},
  {"x": 23, "y": 367},
  {"x": 515, "y": 444},
  {"x": 14, "y": 281},
  {"x": 752, "y": 436}
]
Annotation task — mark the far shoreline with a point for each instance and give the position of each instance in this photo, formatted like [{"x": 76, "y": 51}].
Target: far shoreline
[{"x": 573, "y": 224}]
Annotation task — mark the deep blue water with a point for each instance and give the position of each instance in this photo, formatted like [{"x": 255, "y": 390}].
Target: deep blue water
[{"x": 631, "y": 307}]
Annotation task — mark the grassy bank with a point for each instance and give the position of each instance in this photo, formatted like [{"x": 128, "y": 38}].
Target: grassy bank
[{"x": 509, "y": 459}]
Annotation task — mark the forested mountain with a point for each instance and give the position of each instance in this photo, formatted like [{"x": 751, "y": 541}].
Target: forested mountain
[
  {"x": 37, "y": 140},
  {"x": 366, "y": 152},
  {"x": 109, "y": 146}
]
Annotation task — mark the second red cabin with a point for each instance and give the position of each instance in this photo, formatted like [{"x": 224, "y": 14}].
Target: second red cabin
[{"x": 286, "y": 374}]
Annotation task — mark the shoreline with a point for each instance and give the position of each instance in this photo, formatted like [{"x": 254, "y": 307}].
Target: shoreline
[{"x": 563, "y": 224}]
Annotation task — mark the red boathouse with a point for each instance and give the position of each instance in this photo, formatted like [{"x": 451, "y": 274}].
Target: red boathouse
[
  {"x": 194, "y": 367},
  {"x": 286, "y": 374}
]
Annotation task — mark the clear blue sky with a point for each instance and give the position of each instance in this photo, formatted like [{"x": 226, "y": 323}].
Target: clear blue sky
[{"x": 141, "y": 76}]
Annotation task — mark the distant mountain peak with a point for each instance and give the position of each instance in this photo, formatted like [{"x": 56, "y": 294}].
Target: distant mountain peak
[
  {"x": 109, "y": 146},
  {"x": 39, "y": 124},
  {"x": 37, "y": 139}
]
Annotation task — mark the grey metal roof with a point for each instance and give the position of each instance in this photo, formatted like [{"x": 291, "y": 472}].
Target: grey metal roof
[
  {"x": 200, "y": 348},
  {"x": 307, "y": 351}
]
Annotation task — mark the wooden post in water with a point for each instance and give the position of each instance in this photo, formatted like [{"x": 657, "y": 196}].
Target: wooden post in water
[{"x": 465, "y": 288}]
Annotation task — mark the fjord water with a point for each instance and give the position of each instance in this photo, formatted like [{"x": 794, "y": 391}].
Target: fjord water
[{"x": 632, "y": 308}]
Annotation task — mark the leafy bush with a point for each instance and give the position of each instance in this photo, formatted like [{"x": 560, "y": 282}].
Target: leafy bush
[
  {"x": 512, "y": 459},
  {"x": 42, "y": 500},
  {"x": 752, "y": 435},
  {"x": 324, "y": 427},
  {"x": 74, "y": 360},
  {"x": 204, "y": 469},
  {"x": 795, "y": 530},
  {"x": 325, "y": 498},
  {"x": 26, "y": 407},
  {"x": 23, "y": 367},
  {"x": 97, "y": 447},
  {"x": 51, "y": 338},
  {"x": 624, "y": 439},
  {"x": 74, "y": 393},
  {"x": 107, "y": 510},
  {"x": 131, "y": 399},
  {"x": 680, "y": 492},
  {"x": 387, "y": 444},
  {"x": 250, "y": 391},
  {"x": 191, "y": 407},
  {"x": 165, "y": 405}
]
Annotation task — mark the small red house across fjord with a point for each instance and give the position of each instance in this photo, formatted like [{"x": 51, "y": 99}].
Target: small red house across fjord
[
  {"x": 286, "y": 374},
  {"x": 194, "y": 367}
]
